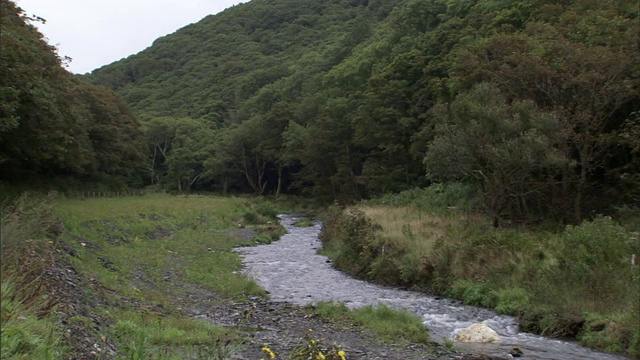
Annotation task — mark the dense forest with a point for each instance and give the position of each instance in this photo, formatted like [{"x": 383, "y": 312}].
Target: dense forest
[
  {"x": 533, "y": 103},
  {"x": 53, "y": 126}
]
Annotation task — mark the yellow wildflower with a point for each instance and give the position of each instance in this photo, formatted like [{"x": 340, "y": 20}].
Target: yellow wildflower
[
  {"x": 320, "y": 356},
  {"x": 342, "y": 355},
  {"x": 271, "y": 354}
]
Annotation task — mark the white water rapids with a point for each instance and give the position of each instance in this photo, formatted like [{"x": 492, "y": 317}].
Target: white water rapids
[{"x": 291, "y": 271}]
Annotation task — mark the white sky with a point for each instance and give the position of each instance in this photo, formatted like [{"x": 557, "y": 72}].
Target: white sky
[{"x": 98, "y": 32}]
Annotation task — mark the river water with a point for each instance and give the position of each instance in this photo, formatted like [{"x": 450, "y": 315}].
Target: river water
[{"x": 291, "y": 271}]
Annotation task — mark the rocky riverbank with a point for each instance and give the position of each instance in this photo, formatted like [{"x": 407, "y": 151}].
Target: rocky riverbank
[{"x": 255, "y": 323}]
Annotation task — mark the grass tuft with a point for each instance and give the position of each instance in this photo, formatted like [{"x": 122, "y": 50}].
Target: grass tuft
[
  {"x": 389, "y": 324},
  {"x": 304, "y": 223}
]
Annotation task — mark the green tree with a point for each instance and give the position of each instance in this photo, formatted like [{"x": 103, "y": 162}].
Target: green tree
[
  {"x": 116, "y": 137},
  {"x": 238, "y": 150},
  {"x": 53, "y": 125},
  {"x": 160, "y": 133},
  {"x": 332, "y": 164},
  {"x": 191, "y": 146},
  {"x": 509, "y": 150},
  {"x": 385, "y": 126},
  {"x": 589, "y": 88}
]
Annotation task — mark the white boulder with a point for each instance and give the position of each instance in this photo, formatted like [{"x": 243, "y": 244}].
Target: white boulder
[{"x": 477, "y": 333}]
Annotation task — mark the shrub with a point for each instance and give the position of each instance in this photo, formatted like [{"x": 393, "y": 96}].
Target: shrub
[
  {"x": 267, "y": 209},
  {"x": 481, "y": 295},
  {"x": 596, "y": 258},
  {"x": 547, "y": 278},
  {"x": 510, "y": 300},
  {"x": 250, "y": 218},
  {"x": 458, "y": 288},
  {"x": 438, "y": 197},
  {"x": 597, "y": 244},
  {"x": 602, "y": 333},
  {"x": 263, "y": 238},
  {"x": 349, "y": 235}
]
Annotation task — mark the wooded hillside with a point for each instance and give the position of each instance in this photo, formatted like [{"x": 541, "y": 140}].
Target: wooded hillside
[
  {"x": 54, "y": 127},
  {"x": 533, "y": 103}
]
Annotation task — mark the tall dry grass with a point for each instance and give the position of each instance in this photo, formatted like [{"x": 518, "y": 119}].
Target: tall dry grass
[{"x": 574, "y": 283}]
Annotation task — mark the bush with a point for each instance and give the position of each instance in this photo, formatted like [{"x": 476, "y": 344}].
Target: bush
[
  {"x": 437, "y": 198},
  {"x": 264, "y": 238},
  {"x": 596, "y": 257},
  {"x": 349, "y": 236},
  {"x": 549, "y": 279},
  {"x": 510, "y": 300},
  {"x": 268, "y": 210},
  {"x": 629, "y": 217},
  {"x": 597, "y": 244},
  {"x": 601, "y": 333}
]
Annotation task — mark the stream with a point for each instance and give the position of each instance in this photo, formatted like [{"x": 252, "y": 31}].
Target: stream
[{"x": 291, "y": 271}]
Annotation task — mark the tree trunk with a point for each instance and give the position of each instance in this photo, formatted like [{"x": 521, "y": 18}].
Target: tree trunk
[
  {"x": 225, "y": 184},
  {"x": 577, "y": 200},
  {"x": 246, "y": 171},
  {"x": 582, "y": 183},
  {"x": 279, "y": 182},
  {"x": 153, "y": 165},
  {"x": 262, "y": 185}
]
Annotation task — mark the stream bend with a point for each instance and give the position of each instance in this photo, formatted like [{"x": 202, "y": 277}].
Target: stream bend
[{"x": 291, "y": 271}]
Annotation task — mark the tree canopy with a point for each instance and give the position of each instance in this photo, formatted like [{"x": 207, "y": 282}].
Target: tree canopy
[
  {"x": 53, "y": 125},
  {"x": 533, "y": 102}
]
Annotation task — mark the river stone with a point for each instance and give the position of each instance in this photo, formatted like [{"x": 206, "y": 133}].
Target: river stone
[{"x": 477, "y": 333}]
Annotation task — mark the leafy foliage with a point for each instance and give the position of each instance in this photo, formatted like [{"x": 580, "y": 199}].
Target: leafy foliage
[
  {"x": 352, "y": 99},
  {"x": 54, "y": 125},
  {"x": 507, "y": 149}
]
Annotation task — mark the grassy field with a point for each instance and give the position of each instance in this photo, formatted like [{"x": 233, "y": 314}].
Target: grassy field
[
  {"x": 575, "y": 282},
  {"x": 146, "y": 237},
  {"x": 140, "y": 250},
  {"x": 128, "y": 269}
]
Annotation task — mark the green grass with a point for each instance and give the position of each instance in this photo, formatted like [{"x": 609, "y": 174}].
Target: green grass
[
  {"x": 304, "y": 223},
  {"x": 147, "y": 257},
  {"x": 155, "y": 250},
  {"x": 147, "y": 336},
  {"x": 389, "y": 324},
  {"x": 132, "y": 238},
  {"x": 25, "y": 333},
  {"x": 147, "y": 253},
  {"x": 30, "y": 328}
]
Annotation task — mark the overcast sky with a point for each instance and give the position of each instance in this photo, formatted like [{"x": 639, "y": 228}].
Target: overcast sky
[{"x": 98, "y": 32}]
